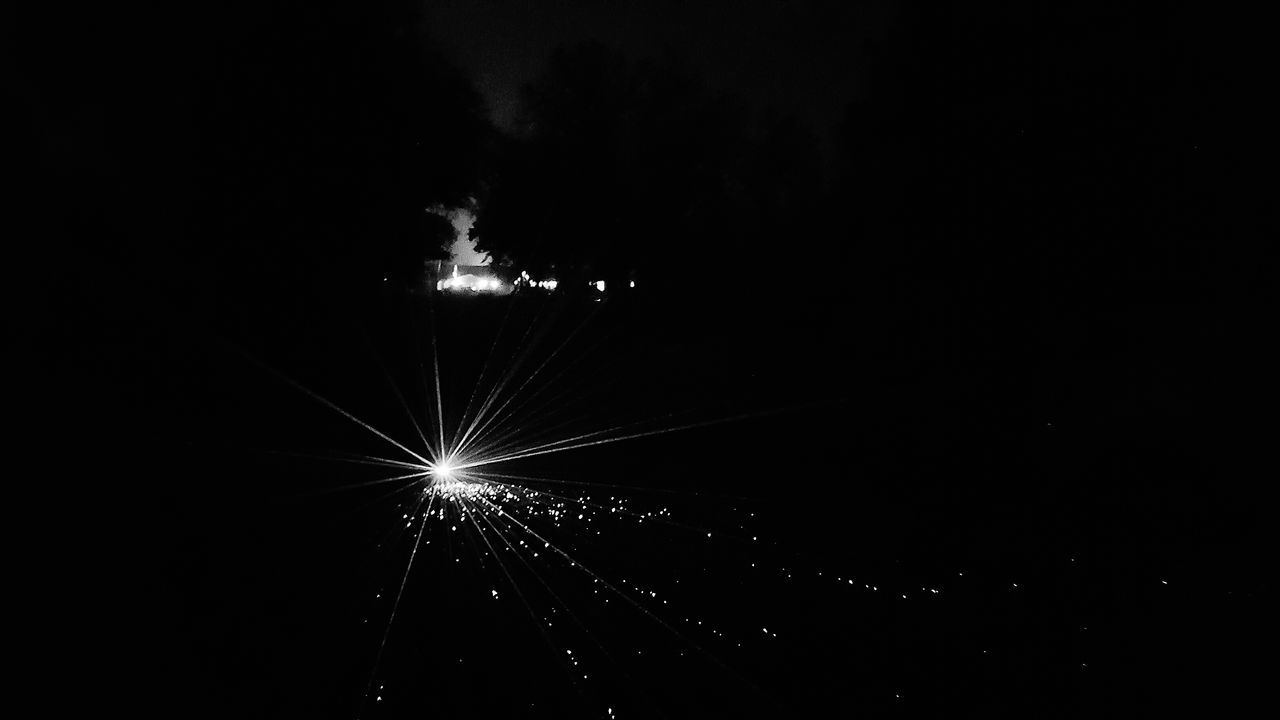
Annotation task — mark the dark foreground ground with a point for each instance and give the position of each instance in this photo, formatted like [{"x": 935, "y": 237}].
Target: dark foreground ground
[{"x": 1069, "y": 492}]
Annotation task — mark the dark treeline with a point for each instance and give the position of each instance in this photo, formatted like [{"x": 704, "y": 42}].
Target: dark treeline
[
  {"x": 268, "y": 146},
  {"x": 1009, "y": 191}
]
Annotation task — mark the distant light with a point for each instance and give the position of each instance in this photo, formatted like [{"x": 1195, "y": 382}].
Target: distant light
[
  {"x": 600, "y": 285},
  {"x": 633, "y": 283}
]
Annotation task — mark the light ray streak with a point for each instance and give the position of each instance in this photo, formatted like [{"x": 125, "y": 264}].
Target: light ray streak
[
  {"x": 404, "y": 580},
  {"x": 475, "y": 548},
  {"x": 517, "y": 437},
  {"x": 546, "y": 632},
  {"x": 574, "y": 563},
  {"x": 413, "y": 419},
  {"x": 355, "y": 459},
  {"x": 435, "y": 361},
  {"x": 334, "y": 406},
  {"x": 560, "y": 445},
  {"x": 524, "y": 558},
  {"x": 511, "y": 454},
  {"x": 534, "y": 427},
  {"x": 475, "y": 390},
  {"x": 550, "y": 358},
  {"x": 515, "y": 412},
  {"x": 634, "y": 603},
  {"x": 522, "y": 352},
  {"x": 521, "y": 556},
  {"x": 393, "y": 493},
  {"x": 506, "y": 417},
  {"x": 543, "y": 629},
  {"x": 367, "y": 484},
  {"x": 463, "y": 442}
]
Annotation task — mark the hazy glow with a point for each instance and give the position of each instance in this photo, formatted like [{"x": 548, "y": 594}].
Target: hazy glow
[{"x": 467, "y": 281}]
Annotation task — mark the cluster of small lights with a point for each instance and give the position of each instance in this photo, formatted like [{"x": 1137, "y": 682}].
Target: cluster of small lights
[
  {"x": 526, "y": 280},
  {"x": 479, "y": 284},
  {"x": 456, "y": 282}
]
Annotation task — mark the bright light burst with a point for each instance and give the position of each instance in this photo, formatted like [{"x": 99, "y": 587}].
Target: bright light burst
[
  {"x": 441, "y": 472},
  {"x": 468, "y": 476}
]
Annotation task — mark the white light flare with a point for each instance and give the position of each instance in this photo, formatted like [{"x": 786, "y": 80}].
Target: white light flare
[
  {"x": 442, "y": 472},
  {"x": 446, "y": 481}
]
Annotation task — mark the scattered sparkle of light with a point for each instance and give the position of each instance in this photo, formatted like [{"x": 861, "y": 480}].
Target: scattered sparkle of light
[{"x": 467, "y": 481}]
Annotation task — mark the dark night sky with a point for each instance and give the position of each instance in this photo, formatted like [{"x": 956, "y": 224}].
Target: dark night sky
[
  {"x": 1024, "y": 372},
  {"x": 804, "y": 57}
]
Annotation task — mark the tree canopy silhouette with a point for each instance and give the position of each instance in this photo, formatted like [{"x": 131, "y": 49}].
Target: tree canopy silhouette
[{"x": 635, "y": 167}]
